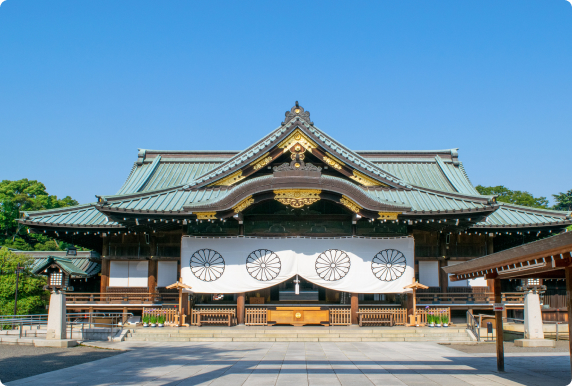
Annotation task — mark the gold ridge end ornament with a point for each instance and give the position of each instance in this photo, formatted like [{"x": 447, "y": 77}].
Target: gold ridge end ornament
[
  {"x": 350, "y": 204},
  {"x": 261, "y": 162},
  {"x": 387, "y": 215},
  {"x": 229, "y": 180},
  {"x": 243, "y": 204},
  {"x": 206, "y": 215},
  {"x": 297, "y": 198},
  {"x": 364, "y": 180},
  {"x": 332, "y": 161}
]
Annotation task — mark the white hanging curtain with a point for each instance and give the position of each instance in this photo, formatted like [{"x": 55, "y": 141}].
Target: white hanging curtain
[{"x": 348, "y": 264}]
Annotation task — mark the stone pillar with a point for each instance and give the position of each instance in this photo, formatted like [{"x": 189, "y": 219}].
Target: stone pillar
[
  {"x": 240, "y": 307},
  {"x": 354, "y": 308},
  {"x": 57, "y": 317},
  {"x": 499, "y": 327},
  {"x": 533, "y": 334}
]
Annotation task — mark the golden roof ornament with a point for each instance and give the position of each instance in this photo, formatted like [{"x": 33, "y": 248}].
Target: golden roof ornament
[{"x": 297, "y": 111}]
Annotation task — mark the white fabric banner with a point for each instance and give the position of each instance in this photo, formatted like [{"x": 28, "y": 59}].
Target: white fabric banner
[{"x": 348, "y": 264}]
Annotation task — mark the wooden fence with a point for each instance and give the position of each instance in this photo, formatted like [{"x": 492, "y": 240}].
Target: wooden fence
[
  {"x": 194, "y": 317},
  {"x": 170, "y": 314},
  {"x": 399, "y": 314},
  {"x": 255, "y": 316},
  {"x": 340, "y": 316}
]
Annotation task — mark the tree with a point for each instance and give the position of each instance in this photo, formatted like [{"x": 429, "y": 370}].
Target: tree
[
  {"x": 26, "y": 195},
  {"x": 514, "y": 196},
  {"x": 32, "y": 299},
  {"x": 563, "y": 201}
]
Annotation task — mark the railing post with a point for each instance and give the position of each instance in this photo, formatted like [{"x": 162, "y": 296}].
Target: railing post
[{"x": 20, "y": 329}]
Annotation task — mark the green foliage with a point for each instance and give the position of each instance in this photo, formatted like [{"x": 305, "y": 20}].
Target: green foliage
[
  {"x": 445, "y": 318},
  {"x": 146, "y": 318},
  {"x": 32, "y": 299},
  {"x": 517, "y": 197},
  {"x": 161, "y": 319},
  {"x": 26, "y": 195},
  {"x": 563, "y": 201},
  {"x": 153, "y": 319},
  {"x": 430, "y": 319}
]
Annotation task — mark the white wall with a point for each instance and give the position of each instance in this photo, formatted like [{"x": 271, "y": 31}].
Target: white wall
[
  {"x": 460, "y": 283},
  {"x": 128, "y": 273},
  {"x": 429, "y": 273},
  {"x": 167, "y": 273}
]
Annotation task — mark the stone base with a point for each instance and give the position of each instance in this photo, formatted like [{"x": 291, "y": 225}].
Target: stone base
[
  {"x": 61, "y": 343},
  {"x": 534, "y": 343}
]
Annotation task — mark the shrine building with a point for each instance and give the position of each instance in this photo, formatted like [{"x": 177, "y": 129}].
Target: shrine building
[{"x": 295, "y": 220}]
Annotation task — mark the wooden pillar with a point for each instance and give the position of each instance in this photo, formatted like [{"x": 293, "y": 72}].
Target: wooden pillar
[
  {"x": 124, "y": 316},
  {"x": 409, "y": 304},
  {"x": 569, "y": 305},
  {"x": 104, "y": 275},
  {"x": 152, "y": 282},
  {"x": 240, "y": 308},
  {"x": 443, "y": 277},
  {"x": 354, "y": 308},
  {"x": 498, "y": 327}
]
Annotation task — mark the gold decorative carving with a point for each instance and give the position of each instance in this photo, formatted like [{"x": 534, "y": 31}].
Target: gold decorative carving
[
  {"x": 350, "y": 204},
  {"x": 364, "y": 180},
  {"x": 206, "y": 215},
  {"x": 243, "y": 204},
  {"x": 229, "y": 180},
  {"x": 261, "y": 162},
  {"x": 297, "y": 198},
  {"x": 333, "y": 161},
  {"x": 297, "y": 137},
  {"x": 387, "y": 215}
]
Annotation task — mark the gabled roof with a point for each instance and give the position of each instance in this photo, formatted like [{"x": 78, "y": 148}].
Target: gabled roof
[{"x": 67, "y": 265}]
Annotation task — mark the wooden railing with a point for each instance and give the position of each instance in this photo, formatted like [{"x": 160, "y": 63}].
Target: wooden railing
[
  {"x": 399, "y": 314},
  {"x": 468, "y": 298},
  {"x": 340, "y": 316},
  {"x": 171, "y": 314},
  {"x": 194, "y": 316},
  {"x": 255, "y": 316},
  {"x": 120, "y": 298}
]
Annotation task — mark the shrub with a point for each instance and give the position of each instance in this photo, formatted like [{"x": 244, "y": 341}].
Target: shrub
[
  {"x": 445, "y": 319},
  {"x": 146, "y": 318},
  {"x": 153, "y": 319}
]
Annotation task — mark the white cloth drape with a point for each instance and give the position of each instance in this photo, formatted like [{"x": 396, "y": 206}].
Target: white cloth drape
[{"x": 348, "y": 264}]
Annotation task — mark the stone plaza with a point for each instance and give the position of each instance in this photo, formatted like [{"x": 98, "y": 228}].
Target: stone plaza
[{"x": 306, "y": 363}]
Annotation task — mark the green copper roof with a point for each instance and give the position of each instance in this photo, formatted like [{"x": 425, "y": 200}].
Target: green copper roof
[
  {"x": 509, "y": 215},
  {"x": 68, "y": 265},
  {"x": 82, "y": 215}
]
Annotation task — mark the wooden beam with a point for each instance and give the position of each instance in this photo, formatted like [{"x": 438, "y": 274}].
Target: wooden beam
[
  {"x": 568, "y": 271},
  {"x": 354, "y": 308},
  {"x": 104, "y": 275},
  {"x": 499, "y": 327}
]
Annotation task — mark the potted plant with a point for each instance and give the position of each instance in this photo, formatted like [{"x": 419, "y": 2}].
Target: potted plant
[
  {"x": 438, "y": 320},
  {"x": 153, "y": 320},
  {"x": 160, "y": 320},
  {"x": 445, "y": 319},
  {"x": 146, "y": 320},
  {"x": 431, "y": 320}
]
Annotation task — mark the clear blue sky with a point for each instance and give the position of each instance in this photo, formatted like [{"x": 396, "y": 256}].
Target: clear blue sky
[{"x": 83, "y": 84}]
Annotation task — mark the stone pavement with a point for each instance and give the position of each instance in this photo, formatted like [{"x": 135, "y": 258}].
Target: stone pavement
[{"x": 306, "y": 363}]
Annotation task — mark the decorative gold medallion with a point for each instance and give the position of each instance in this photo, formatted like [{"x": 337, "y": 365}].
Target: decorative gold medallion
[
  {"x": 364, "y": 180},
  {"x": 298, "y": 315},
  {"x": 261, "y": 162},
  {"x": 229, "y": 180},
  {"x": 206, "y": 215},
  {"x": 297, "y": 198},
  {"x": 243, "y": 204},
  {"x": 350, "y": 204},
  {"x": 297, "y": 138},
  {"x": 387, "y": 215}
]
